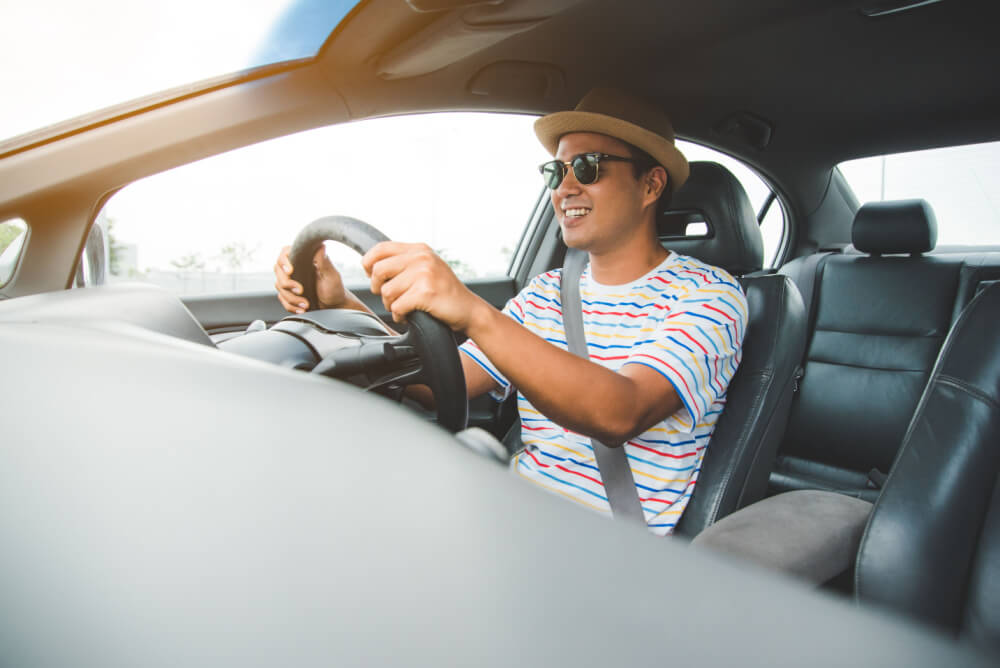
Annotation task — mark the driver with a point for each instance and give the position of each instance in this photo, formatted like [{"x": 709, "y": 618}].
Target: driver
[{"x": 663, "y": 330}]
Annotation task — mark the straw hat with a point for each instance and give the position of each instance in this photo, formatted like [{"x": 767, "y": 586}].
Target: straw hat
[{"x": 622, "y": 116}]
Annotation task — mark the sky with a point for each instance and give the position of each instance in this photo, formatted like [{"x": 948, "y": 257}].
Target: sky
[{"x": 62, "y": 58}]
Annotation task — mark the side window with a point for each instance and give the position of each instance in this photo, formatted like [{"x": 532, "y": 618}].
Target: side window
[
  {"x": 773, "y": 225},
  {"x": 463, "y": 183}
]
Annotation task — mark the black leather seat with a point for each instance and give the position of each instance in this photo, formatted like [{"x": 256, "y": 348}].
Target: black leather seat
[
  {"x": 741, "y": 453},
  {"x": 932, "y": 545},
  {"x": 877, "y": 322},
  {"x": 930, "y": 548}
]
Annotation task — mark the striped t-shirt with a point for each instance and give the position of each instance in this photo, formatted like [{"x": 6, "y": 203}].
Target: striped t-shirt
[{"x": 684, "y": 319}]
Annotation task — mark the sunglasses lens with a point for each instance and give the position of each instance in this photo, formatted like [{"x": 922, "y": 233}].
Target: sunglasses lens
[
  {"x": 552, "y": 173},
  {"x": 585, "y": 169}
]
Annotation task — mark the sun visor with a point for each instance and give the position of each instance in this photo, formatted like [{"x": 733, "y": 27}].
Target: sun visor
[{"x": 463, "y": 32}]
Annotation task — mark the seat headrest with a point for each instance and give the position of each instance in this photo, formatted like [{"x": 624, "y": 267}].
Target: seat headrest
[
  {"x": 731, "y": 237},
  {"x": 903, "y": 226}
]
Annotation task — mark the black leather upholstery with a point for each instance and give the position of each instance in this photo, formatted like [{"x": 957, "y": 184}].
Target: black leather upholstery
[
  {"x": 932, "y": 545},
  {"x": 714, "y": 195},
  {"x": 740, "y": 455},
  {"x": 903, "y": 226},
  {"x": 879, "y": 324}
]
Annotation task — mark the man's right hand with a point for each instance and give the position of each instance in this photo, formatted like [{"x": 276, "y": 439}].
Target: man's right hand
[{"x": 330, "y": 289}]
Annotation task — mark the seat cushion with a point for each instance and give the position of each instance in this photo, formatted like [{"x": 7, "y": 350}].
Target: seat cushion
[{"x": 808, "y": 534}]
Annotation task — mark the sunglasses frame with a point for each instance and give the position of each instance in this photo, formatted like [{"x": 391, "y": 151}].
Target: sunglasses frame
[{"x": 593, "y": 157}]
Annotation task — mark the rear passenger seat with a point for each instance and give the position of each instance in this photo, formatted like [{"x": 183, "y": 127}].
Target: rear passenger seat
[{"x": 878, "y": 314}]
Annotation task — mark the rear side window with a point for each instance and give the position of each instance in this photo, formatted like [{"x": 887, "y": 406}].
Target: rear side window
[
  {"x": 961, "y": 183},
  {"x": 769, "y": 210}
]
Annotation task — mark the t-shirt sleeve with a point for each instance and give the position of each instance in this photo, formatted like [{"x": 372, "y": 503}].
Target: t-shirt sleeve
[
  {"x": 697, "y": 347},
  {"x": 514, "y": 309}
]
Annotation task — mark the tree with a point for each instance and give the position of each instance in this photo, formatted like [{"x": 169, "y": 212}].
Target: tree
[
  {"x": 236, "y": 255},
  {"x": 116, "y": 249},
  {"x": 461, "y": 269},
  {"x": 189, "y": 262}
]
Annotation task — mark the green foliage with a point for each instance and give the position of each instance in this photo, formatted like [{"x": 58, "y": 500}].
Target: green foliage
[
  {"x": 462, "y": 269},
  {"x": 236, "y": 255},
  {"x": 8, "y": 232},
  {"x": 189, "y": 262},
  {"x": 115, "y": 248}
]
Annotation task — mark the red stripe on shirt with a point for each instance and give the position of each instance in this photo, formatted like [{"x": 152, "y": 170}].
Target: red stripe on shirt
[
  {"x": 676, "y": 373},
  {"x": 692, "y": 339},
  {"x": 563, "y": 468},
  {"x": 547, "y": 308},
  {"x": 641, "y": 315},
  {"x": 666, "y": 454},
  {"x": 721, "y": 313},
  {"x": 703, "y": 276}
]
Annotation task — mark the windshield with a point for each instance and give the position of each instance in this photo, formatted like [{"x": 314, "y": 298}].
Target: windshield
[{"x": 65, "y": 58}]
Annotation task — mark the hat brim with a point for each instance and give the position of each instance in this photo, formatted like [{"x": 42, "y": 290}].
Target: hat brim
[{"x": 550, "y": 128}]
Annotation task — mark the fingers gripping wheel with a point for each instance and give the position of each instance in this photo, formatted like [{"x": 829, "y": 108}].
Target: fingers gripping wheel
[{"x": 440, "y": 367}]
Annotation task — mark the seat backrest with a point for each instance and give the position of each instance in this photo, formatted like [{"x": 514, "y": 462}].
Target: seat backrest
[
  {"x": 878, "y": 322},
  {"x": 932, "y": 545},
  {"x": 740, "y": 455}
]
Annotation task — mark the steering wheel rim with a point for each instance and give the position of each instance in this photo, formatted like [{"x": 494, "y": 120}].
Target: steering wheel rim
[{"x": 441, "y": 368}]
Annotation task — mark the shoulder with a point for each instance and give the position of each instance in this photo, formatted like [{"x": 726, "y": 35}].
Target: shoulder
[
  {"x": 703, "y": 283},
  {"x": 546, "y": 282},
  {"x": 698, "y": 272}
]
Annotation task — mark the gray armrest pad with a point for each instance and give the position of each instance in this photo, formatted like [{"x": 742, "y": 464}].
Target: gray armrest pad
[{"x": 809, "y": 534}]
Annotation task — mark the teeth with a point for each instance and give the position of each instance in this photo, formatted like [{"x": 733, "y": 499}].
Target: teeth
[{"x": 577, "y": 212}]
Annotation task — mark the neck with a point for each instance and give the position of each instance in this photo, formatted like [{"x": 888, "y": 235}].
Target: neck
[{"x": 626, "y": 263}]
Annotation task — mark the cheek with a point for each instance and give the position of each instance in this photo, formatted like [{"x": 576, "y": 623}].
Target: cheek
[{"x": 554, "y": 198}]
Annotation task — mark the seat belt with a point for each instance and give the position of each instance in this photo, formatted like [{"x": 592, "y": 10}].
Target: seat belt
[{"x": 612, "y": 462}]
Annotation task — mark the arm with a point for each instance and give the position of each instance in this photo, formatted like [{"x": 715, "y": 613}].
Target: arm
[{"x": 573, "y": 392}]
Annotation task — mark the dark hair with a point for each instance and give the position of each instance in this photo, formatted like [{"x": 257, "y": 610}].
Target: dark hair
[{"x": 645, "y": 162}]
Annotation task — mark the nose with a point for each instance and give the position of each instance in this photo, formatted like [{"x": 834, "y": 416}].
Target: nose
[{"x": 569, "y": 185}]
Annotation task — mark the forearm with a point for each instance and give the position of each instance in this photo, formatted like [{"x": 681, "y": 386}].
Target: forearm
[{"x": 571, "y": 391}]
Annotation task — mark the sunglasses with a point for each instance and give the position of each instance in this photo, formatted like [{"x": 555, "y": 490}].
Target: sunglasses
[{"x": 586, "y": 168}]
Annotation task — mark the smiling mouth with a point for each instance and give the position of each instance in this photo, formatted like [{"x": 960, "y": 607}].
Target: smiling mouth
[{"x": 576, "y": 212}]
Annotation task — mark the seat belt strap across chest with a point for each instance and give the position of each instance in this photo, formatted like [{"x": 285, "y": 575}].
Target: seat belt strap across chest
[{"x": 612, "y": 462}]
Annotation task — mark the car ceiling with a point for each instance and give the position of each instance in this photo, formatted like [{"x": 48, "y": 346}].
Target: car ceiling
[{"x": 832, "y": 83}]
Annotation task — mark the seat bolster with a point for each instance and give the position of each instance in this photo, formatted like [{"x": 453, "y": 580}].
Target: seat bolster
[
  {"x": 808, "y": 534},
  {"x": 919, "y": 550},
  {"x": 740, "y": 455}
]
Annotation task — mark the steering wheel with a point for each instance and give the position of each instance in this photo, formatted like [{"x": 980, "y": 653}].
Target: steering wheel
[{"x": 436, "y": 362}]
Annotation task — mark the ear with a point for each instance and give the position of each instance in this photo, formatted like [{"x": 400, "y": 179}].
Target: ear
[{"x": 654, "y": 183}]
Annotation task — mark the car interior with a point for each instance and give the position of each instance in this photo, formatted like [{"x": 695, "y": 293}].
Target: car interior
[{"x": 848, "y": 507}]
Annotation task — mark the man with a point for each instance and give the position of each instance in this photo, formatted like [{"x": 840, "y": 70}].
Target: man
[{"x": 663, "y": 331}]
